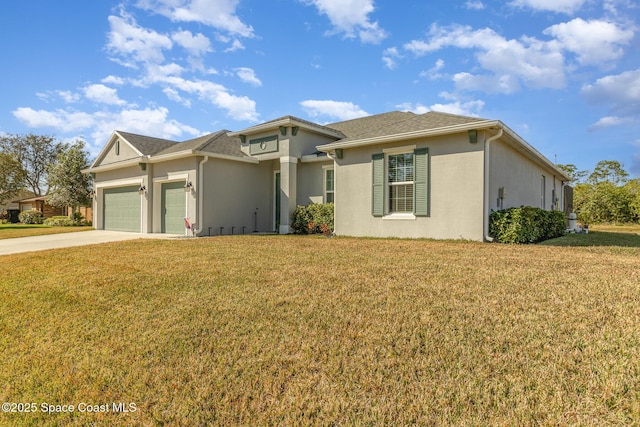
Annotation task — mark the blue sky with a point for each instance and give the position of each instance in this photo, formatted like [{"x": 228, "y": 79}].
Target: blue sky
[{"x": 564, "y": 74}]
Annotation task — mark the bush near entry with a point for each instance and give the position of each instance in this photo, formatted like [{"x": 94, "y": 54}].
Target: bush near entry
[
  {"x": 526, "y": 224},
  {"x": 313, "y": 218},
  {"x": 31, "y": 217}
]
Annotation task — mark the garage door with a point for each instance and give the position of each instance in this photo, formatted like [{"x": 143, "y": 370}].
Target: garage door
[
  {"x": 173, "y": 207},
  {"x": 122, "y": 209}
]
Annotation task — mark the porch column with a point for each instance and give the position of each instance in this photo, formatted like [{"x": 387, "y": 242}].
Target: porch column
[{"x": 288, "y": 188}]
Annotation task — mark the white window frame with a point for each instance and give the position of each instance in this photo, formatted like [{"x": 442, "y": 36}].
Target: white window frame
[
  {"x": 325, "y": 192},
  {"x": 409, "y": 149}
]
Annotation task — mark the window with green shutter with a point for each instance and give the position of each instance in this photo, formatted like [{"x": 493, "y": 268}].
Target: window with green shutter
[{"x": 405, "y": 183}]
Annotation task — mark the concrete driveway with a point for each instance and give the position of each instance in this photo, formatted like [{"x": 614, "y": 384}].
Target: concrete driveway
[{"x": 66, "y": 240}]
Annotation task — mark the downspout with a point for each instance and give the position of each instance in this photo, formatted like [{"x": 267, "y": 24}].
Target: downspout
[
  {"x": 200, "y": 219},
  {"x": 487, "y": 147}
]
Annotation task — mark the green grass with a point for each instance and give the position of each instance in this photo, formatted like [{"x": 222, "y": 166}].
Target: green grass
[
  {"x": 288, "y": 330},
  {"x": 10, "y": 231}
]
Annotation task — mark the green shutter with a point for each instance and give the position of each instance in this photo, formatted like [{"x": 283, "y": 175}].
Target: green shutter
[
  {"x": 421, "y": 186},
  {"x": 377, "y": 192}
]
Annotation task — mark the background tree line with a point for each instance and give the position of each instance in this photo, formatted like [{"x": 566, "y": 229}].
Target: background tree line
[
  {"x": 44, "y": 166},
  {"x": 604, "y": 195}
]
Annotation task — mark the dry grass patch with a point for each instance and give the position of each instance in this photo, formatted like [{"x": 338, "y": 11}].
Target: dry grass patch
[
  {"x": 305, "y": 330},
  {"x": 10, "y": 231}
]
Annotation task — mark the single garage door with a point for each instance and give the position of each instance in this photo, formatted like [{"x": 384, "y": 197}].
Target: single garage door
[
  {"x": 174, "y": 207},
  {"x": 122, "y": 209}
]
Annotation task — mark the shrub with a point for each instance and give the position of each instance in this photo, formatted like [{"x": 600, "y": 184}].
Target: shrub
[
  {"x": 77, "y": 218},
  {"x": 313, "y": 218},
  {"x": 60, "y": 221},
  {"x": 31, "y": 217},
  {"x": 526, "y": 225}
]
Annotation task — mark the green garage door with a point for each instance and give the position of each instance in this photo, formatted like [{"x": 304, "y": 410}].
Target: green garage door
[
  {"x": 122, "y": 209},
  {"x": 173, "y": 207}
]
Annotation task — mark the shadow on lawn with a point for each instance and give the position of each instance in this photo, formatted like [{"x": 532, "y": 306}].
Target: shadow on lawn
[{"x": 597, "y": 238}]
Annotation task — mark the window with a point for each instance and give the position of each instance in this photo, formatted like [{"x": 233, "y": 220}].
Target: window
[
  {"x": 400, "y": 183},
  {"x": 543, "y": 185},
  {"x": 117, "y": 147},
  {"x": 329, "y": 185}
]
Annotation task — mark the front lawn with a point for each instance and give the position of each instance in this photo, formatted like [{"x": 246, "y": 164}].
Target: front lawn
[
  {"x": 601, "y": 235},
  {"x": 10, "y": 231},
  {"x": 298, "y": 330}
]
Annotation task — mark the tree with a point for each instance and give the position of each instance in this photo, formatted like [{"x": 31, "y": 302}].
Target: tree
[
  {"x": 69, "y": 186},
  {"x": 11, "y": 177},
  {"x": 608, "y": 170},
  {"x": 633, "y": 189},
  {"x": 35, "y": 153},
  {"x": 572, "y": 171}
]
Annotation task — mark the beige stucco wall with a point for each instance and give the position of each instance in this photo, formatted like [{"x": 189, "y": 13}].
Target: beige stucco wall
[
  {"x": 234, "y": 192},
  {"x": 126, "y": 152},
  {"x": 521, "y": 178},
  {"x": 456, "y": 183},
  {"x": 311, "y": 182}
]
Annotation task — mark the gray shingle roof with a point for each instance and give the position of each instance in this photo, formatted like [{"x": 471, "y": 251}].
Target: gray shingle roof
[
  {"x": 397, "y": 122},
  {"x": 147, "y": 145},
  {"x": 215, "y": 143}
]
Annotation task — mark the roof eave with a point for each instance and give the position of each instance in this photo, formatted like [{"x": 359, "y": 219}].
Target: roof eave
[
  {"x": 486, "y": 124},
  {"x": 118, "y": 165},
  {"x": 227, "y": 157}
]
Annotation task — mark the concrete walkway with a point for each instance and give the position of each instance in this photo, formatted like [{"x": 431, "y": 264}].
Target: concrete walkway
[{"x": 67, "y": 240}]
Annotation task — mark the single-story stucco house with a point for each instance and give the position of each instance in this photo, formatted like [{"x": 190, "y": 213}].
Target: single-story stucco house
[{"x": 396, "y": 174}]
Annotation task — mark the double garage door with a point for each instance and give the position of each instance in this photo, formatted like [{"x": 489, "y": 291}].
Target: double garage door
[{"x": 122, "y": 208}]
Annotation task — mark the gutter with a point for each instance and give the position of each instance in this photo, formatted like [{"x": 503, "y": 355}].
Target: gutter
[
  {"x": 199, "y": 220},
  {"x": 487, "y": 157}
]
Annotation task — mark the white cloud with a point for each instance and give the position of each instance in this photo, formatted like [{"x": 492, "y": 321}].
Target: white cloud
[
  {"x": 434, "y": 72},
  {"x": 248, "y": 75},
  {"x": 68, "y": 96},
  {"x": 219, "y": 14},
  {"x": 559, "y": 6},
  {"x": 102, "y": 94},
  {"x": 333, "y": 109},
  {"x": 351, "y": 17},
  {"x": 461, "y": 108},
  {"x": 113, "y": 80},
  {"x": 594, "y": 41},
  {"x": 195, "y": 45},
  {"x": 621, "y": 92},
  {"x": 235, "y": 45},
  {"x": 389, "y": 57},
  {"x": 66, "y": 121},
  {"x": 474, "y": 5},
  {"x": 134, "y": 43},
  {"x": 609, "y": 121},
  {"x": 528, "y": 61},
  {"x": 238, "y": 107},
  {"x": 152, "y": 122}
]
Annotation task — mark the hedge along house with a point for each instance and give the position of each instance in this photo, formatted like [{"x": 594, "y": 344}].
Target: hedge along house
[{"x": 395, "y": 174}]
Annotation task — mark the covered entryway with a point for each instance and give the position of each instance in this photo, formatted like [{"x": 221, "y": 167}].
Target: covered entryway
[
  {"x": 122, "y": 209},
  {"x": 173, "y": 207}
]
